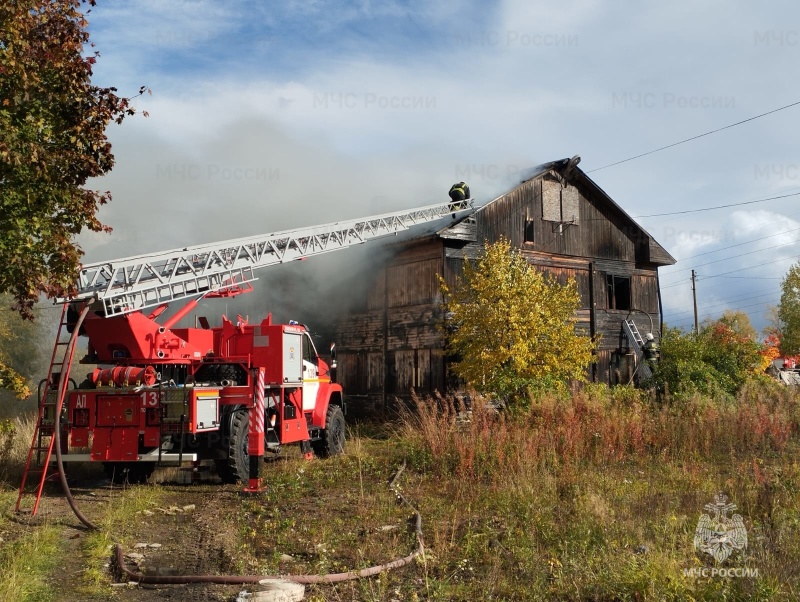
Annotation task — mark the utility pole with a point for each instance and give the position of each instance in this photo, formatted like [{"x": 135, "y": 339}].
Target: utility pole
[{"x": 694, "y": 300}]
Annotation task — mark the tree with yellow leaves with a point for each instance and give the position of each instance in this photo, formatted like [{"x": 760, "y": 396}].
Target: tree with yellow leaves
[
  {"x": 512, "y": 328},
  {"x": 17, "y": 345}
]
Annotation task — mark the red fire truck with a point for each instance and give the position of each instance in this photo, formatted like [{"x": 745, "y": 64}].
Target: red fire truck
[{"x": 164, "y": 394}]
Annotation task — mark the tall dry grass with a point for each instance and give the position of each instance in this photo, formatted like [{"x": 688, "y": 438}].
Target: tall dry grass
[
  {"x": 595, "y": 426},
  {"x": 15, "y": 441}
]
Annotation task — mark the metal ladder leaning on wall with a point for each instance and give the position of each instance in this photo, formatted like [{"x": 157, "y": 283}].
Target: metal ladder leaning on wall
[{"x": 637, "y": 344}]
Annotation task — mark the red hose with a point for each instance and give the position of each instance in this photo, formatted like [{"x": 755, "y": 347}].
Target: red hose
[{"x": 62, "y": 385}]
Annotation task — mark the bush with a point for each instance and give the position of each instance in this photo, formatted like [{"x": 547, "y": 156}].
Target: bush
[{"x": 716, "y": 362}]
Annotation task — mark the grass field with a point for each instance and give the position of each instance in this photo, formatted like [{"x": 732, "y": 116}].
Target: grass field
[{"x": 595, "y": 496}]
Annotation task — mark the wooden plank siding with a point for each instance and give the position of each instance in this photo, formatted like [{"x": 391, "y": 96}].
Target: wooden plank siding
[
  {"x": 395, "y": 345},
  {"x": 361, "y": 331}
]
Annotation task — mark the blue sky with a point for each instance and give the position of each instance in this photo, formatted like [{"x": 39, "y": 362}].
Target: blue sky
[{"x": 267, "y": 115}]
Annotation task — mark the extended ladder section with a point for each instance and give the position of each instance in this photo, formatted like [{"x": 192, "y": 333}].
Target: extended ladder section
[
  {"x": 133, "y": 283},
  {"x": 637, "y": 344},
  {"x": 37, "y": 464}
]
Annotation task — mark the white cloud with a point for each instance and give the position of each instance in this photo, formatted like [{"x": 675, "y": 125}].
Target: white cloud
[{"x": 266, "y": 117}]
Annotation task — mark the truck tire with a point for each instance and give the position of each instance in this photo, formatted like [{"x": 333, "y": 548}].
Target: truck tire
[
  {"x": 237, "y": 467},
  {"x": 333, "y": 436}
]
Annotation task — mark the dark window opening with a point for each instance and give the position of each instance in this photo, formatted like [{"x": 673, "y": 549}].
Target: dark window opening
[
  {"x": 529, "y": 230},
  {"x": 619, "y": 291}
]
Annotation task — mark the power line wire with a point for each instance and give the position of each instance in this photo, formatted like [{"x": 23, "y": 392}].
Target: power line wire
[
  {"x": 696, "y": 137},
  {"x": 708, "y": 314},
  {"x": 784, "y": 244},
  {"x": 726, "y": 303},
  {"x": 672, "y": 284},
  {"x": 733, "y": 300},
  {"x": 751, "y": 267},
  {"x": 681, "y": 317},
  {"x": 772, "y": 198},
  {"x": 755, "y": 277},
  {"x": 739, "y": 244}
]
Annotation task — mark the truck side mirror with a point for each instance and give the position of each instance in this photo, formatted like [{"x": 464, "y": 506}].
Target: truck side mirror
[{"x": 333, "y": 356}]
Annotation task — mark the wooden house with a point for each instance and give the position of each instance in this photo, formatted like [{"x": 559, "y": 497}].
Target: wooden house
[{"x": 564, "y": 224}]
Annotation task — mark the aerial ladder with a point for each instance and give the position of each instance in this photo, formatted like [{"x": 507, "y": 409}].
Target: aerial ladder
[
  {"x": 134, "y": 283},
  {"x": 120, "y": 287}
]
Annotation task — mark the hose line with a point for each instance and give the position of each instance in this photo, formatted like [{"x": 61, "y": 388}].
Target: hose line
[{"x": 63, "y": 382}]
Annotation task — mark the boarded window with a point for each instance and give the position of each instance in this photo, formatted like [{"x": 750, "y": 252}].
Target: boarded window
[
  {"x": 413, "y": 283},
  {"x": 570, "y": 200},
  {"x": 560, "y": 204},
  {"x": 551, "y": 201},
  {"x": 619, "y": 291}
]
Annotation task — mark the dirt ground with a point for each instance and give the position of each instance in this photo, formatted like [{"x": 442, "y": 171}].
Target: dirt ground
[{"x": 189, "y": 533}]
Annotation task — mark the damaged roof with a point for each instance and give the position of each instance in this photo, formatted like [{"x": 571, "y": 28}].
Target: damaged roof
[{"x": 567, "y": 170}]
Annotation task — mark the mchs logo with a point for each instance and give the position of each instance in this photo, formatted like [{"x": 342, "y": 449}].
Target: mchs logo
[{"x": 718, "y": 534}]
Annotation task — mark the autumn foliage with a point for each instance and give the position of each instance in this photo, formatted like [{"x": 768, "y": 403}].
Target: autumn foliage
[
  {"x": 720, "y": 359},
  {"x": 52, "y": 140},
  {"x": 511, "y": 328}
]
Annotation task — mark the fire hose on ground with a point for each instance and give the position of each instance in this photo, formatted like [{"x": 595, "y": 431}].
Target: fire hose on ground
[{"x": 221, "y": 579}]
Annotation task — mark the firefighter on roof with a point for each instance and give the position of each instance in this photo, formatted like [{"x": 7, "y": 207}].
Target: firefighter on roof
[{"x": 458, "y": 192}]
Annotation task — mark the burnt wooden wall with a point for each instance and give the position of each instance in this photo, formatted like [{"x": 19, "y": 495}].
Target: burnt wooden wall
[{"x": 395, "y": 345}]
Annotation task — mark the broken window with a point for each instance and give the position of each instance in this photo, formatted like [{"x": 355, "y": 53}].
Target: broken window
[
  {"x": 619, "y": 291},
  {"x": 529, "y": 230}
]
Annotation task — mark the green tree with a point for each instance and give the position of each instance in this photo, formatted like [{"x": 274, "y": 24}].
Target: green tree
[
  {"x": 789, "y": 312},
  {"x": 511, "y": 328},
  {"x": 52, "y": 140},
  {"x": 25, "y": 346},
  {"x": 717, "y": 360}
]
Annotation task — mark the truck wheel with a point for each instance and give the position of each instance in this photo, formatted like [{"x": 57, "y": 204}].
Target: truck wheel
[
  {"x": 332, "y": 441},
  {"x": 131, "y": 473},
  {"x": 238, "y": 464},
  {"x": 224, "y": 471}
]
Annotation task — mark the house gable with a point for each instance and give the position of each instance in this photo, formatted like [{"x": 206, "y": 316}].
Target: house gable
[{"x": 561, "y": 214}]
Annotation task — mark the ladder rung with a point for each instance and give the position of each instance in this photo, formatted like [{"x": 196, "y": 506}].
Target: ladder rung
[{"x": 38, "y": 472}]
